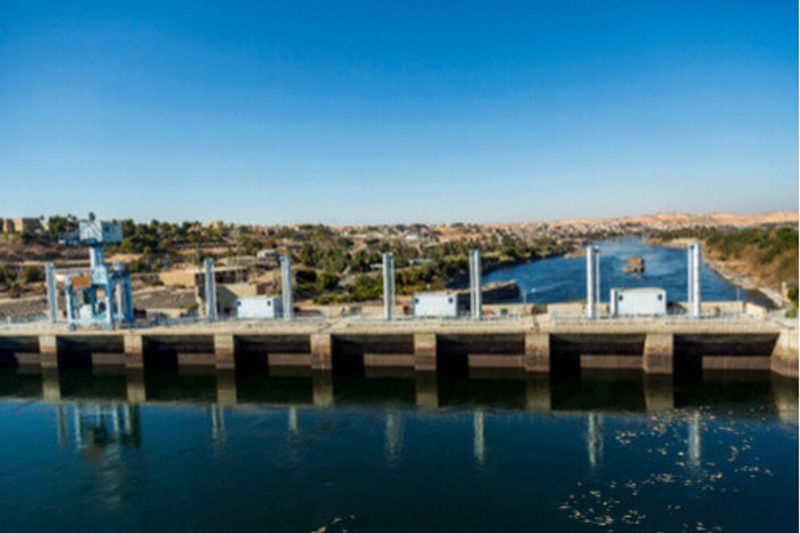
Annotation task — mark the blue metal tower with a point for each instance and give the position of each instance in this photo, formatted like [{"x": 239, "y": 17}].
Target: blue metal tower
[{"x": 104, "y": 295}]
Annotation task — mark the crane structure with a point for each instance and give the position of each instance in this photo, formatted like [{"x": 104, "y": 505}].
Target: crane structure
[{"x": 103, "y": 295}]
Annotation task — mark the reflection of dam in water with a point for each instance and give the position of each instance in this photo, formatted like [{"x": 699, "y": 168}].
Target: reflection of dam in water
[
  {"x": 101, "y": 413},
  {"x": 595, "y": 391},
  {"x": 594, "y": 439},
  {"x": 99, "y": 427},
  {"x": 103, "y": 430},
  {"x": 103, "y": 433},
  {"x": 265, "y": 445}
]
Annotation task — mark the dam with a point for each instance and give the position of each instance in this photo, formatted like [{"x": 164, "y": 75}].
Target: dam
[
  {"x": 528, "y": 344},
  {"x": 637, "y": 329}
]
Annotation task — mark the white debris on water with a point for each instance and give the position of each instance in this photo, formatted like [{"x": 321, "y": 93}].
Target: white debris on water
[{"x": 664, "y": 439}]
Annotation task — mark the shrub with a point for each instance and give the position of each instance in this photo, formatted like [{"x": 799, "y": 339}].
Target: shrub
[
  {"x": 7, "y": 276},
  {"x": 327, "y": 281},
  {"x": 367, "y": 288},
  {"x": 792, "y": 294},
  {"x": 305, "y": 276},
  {"x": 31, "y": 274}
]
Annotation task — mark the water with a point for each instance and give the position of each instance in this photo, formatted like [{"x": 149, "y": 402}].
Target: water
[
  {"x": 563, "y": 279},
  {"x": 616, "y": 450}
]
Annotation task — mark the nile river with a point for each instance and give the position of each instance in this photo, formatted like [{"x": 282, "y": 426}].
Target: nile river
[
  {"x": 202, "y": 453},
  {"x": 564, "y": 279}
]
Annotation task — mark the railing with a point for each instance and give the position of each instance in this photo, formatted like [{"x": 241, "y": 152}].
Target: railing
[
  {"x": 29, "y": 322},
  {"x": 461, "y": 317},
  {"x": 723, "y": 319}
]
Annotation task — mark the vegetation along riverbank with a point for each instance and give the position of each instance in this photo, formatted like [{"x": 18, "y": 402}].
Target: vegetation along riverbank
[{"x": 764, "y": 258}]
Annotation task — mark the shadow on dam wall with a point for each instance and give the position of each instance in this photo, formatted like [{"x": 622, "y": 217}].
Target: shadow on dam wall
[{"x": 447, "y": 354}]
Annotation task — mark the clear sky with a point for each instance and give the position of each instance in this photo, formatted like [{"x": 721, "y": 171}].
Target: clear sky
[{"x": 340, "y": 112}]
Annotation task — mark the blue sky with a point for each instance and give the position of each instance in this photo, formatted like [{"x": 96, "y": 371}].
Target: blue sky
[{"x": 351, "y": 112}]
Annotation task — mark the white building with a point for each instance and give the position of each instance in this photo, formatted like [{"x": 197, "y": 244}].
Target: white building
[
  {"x": 259, "y": 307},
  {"x": 442, "y": 304},
  {"x": 646, "y": 301}
]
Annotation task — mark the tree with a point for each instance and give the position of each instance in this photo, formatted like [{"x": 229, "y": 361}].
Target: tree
[
  {"x": 32, "y": 274},
  {"x": 308, "y": 255},
  {"x": 367, "y": 288},
  {"x": 305, "y": 276},
  {"x": 327, "y": 281},
  {"x": 58, "y": 226},
  {"x": 7, "y": 277}
]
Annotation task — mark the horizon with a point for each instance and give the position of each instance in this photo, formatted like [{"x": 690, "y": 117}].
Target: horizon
[
  {"x": 794, "y": 213},
  {"x": 271, "y": 114}
]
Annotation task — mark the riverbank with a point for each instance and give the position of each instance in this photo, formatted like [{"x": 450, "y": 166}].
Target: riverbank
[{"x": 735, "y": 272}]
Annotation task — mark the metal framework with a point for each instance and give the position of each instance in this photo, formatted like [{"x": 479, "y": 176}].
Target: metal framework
[{"x": 104, "y": 295}]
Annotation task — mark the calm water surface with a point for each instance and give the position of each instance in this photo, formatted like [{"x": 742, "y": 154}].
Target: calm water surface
[
  {"x": 604, "y": 451},
  {"x": 563, "y": 279}
]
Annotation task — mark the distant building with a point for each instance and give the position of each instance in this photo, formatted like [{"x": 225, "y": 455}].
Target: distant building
[
  {"x": 196, "y": 278},
  {"x": 22, "y": 225},
  {"x": 268, "y": 255},
  {"x": 228, "y": 294},
  {"x": 646, "y": 301}
]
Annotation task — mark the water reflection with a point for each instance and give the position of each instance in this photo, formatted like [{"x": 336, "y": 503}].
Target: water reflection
[
  {"x": 106, "y": 413},
  {"x": 216, "y": 417},
  {"x": 292, "y": 421},
  {"x": 479, "y": 437},
  {"x": 393, "y": 436},
  {"x": 594, "y": 439},
  {"x": 596, "y": 391},
  {"x": 606, "y": 447},
  {"x": 694, "y": 440},
  {"x": 101, "y": 433}
]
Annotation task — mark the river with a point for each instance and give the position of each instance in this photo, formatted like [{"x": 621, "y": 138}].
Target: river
[
  {"x": 563, "y": 279},
  {"x": 616, "y": 451}
]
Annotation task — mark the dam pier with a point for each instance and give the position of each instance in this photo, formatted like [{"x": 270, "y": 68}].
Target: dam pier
[{"x": 523, "y": 344}]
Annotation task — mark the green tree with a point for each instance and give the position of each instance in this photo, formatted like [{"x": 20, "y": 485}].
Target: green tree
[
  {"x": 327, "y": 281},
  {"x": 367, "y": 288},
  {"x": 31, "y": 274},
  {"x": 58, "y": 226},
  {"x": 305, "y": 276},
  {"x": 7, "y": 276}
]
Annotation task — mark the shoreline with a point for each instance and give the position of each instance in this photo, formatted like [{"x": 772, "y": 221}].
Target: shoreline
[{"x": 727, "y": 271}]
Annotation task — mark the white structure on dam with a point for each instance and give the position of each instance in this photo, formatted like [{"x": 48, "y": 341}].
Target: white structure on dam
[{"x": 645, "y": 301}]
